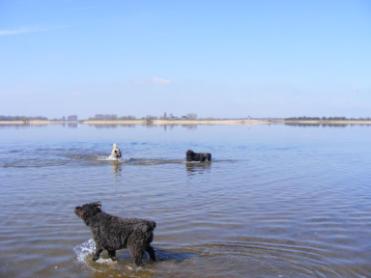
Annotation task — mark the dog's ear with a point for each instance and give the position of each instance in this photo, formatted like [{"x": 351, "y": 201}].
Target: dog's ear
[{"x": 98, "y": 204}]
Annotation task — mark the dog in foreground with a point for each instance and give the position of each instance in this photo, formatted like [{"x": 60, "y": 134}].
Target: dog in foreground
[
  {"x": 112, "y": 233},
  {"x": 202, "y": 157}
]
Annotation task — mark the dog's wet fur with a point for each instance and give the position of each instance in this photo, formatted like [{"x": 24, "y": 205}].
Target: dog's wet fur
[
  {"x": 116, "y": 152},
  {"x": 112, "y": 233},
  {"x": 201, "y": 157}
]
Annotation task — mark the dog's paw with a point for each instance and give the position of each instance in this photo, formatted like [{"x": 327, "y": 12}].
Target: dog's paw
[{"x": 134, "y": 268}]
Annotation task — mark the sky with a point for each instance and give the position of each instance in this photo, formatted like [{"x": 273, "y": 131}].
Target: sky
[{"x": 214, "y": 58}]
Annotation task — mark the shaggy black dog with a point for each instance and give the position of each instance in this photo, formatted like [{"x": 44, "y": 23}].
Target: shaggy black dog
[
  {"x": 202, "y": 157},
  {"x": 112, "y": 233}
]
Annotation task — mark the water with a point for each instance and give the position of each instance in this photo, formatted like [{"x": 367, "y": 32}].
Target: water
[{"x": 277, "y": 201}]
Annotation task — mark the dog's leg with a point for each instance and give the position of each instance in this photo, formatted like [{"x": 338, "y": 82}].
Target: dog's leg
[
  {"x": 97, "y": 253},
  {"x": 138, "y": 259},
  {"x": 112, "y": 255},
  {"x": 151, "y": 252},
  {"x": 137, "y": 254}
]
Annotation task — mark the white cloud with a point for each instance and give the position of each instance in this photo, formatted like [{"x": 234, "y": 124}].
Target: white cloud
[
  {"x": 21, "y": 30},
  {"x": 27, "y": 30},
  {"x": 160, "y": 81}
]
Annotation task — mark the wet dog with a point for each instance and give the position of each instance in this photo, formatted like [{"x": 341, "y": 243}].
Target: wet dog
[
  {"x": 115, "y": 153},
  {"x": 202, "y": 157},
  {"x": 112, "y": 233}
]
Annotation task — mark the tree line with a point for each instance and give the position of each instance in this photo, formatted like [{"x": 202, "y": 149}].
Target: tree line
[{"x": 304, "y": 118}]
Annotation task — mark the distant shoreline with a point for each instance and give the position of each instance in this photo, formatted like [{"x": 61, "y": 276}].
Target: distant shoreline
[
  {"x": 160, "y": 122},
  {"x": 327, "y": 122},
  {"x": 188, "y": 122},
  {"x": 30, "y": 122},
  {"x": 146, "y": 122}
]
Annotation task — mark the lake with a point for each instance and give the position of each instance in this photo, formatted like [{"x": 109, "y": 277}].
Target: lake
[{"x": 277, "y": 201}]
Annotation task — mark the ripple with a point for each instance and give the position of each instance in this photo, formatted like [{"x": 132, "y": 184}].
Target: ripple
[
  {"x": 33, "y": 163},
  {"x": 268, "y": 206}
]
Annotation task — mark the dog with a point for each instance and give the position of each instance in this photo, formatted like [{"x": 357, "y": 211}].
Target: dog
[
  {"x": 202, "y": 157},
  {"x": 115, "y": 153},
  {"x": 112, "y": 233}
]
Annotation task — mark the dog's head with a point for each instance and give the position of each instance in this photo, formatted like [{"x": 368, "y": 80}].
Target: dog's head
[
  {"x": 87, "y": 211},
  {"x": 116, "y": 152},
  {"x": 190, "y": 154}
]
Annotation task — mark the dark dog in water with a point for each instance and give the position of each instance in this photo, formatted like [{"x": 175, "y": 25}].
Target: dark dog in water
[
  {"x": 202, "y": 157},
  {"x": 112, "y": 233}
]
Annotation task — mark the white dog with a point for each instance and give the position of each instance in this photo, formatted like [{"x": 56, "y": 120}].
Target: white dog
[{"x": 115, "y": 153}]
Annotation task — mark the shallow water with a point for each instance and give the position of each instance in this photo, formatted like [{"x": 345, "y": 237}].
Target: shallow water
[{"x": 277, "y": 201}]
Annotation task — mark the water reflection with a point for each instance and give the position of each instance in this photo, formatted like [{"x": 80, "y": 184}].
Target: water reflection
[
  {"x": 20, "y": 126},
  {"x": 72, "y": 125},
  {"x": 189, "y": 126},
  {"x": 116, "y": 167},
  {"x": 106, "y": 126},
  {"x": 197, "y": 167},
  {"x": 177, "y": 256}
]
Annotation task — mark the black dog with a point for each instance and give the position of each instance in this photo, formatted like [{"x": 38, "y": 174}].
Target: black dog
[
  {"x": 202, "y": 157},
  {"x": 113, "y": 233}
]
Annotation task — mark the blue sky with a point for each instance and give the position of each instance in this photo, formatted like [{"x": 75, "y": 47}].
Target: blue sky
[{"x": 213, "y": 58}]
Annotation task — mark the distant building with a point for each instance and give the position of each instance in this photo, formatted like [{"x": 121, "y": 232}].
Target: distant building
[
  {"x": 72, "y": 118},
  {"x": 190, "y": 116},
  {"x": 105, "y": 117},
  {"x": 129, "y": 117},
  {"x": 150, "y": 117}
]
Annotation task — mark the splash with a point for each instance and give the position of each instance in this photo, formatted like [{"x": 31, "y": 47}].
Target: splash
[
  {"x": 108, "y": 158},
  {"x": 86, "y": 249}
]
